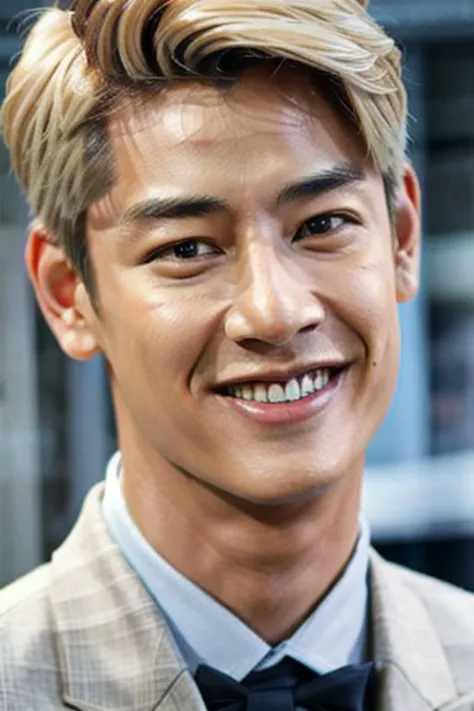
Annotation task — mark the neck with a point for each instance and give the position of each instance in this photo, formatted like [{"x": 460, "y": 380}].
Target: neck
[{"x": 269, "y": 565}]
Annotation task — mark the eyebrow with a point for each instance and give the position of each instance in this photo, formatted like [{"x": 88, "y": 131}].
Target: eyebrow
[
  {"x": 338, "y": 176},
  {"x": 155, "y": 208}
]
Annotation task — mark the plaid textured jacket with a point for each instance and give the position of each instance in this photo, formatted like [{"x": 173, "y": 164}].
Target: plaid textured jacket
[{"x": 82, "y": 633}]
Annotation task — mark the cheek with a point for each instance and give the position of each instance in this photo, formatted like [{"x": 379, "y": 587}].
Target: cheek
[
  {"x": 371, "y": 307},
  {"x": 372, "y": 314},
  {"x": 158, "y": 334},
  {"x": 379, "y": 328}
]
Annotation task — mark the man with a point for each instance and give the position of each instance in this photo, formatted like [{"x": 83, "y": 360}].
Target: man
[{"x": 225, "y": 211}]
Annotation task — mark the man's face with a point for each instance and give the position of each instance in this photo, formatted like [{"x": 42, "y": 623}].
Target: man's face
[{"x": 247, "y": 275}]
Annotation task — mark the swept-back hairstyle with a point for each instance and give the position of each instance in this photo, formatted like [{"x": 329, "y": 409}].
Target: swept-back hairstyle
[{"x": 78, "y": 64}]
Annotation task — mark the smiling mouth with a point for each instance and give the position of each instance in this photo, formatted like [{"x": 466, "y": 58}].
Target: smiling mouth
[{"x": 291, "y": 390}]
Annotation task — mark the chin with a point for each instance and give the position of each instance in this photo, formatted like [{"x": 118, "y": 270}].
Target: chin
[{"x": 282, "y": 489}]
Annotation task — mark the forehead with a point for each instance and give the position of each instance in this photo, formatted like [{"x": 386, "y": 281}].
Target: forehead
[{"x": 262, "y": 130}]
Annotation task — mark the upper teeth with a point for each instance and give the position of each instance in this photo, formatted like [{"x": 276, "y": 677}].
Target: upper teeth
[{"x": 294, "y": 389}]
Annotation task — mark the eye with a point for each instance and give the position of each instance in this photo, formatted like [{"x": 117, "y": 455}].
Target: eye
[
  {"x": 321, "y": 225},
  {"x": 183, "y": 251}
]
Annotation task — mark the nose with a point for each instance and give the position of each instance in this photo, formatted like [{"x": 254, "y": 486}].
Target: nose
[{"x": 274, "y": 302}]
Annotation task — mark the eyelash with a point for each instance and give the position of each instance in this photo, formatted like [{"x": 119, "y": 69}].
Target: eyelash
[
  {"x": 164, "y": 251},
  {"x": 344, "y": 217}
]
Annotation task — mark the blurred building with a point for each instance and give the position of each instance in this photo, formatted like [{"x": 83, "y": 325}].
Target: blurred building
[{"x": 56, "y": 427}]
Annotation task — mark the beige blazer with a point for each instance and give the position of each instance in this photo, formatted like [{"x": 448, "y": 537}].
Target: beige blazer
[{"x": 82, "y": 633}]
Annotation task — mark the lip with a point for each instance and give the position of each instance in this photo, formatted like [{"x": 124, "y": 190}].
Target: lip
[
  {"x": 287, "y": 412},
  {"x": 279, "y": 375}
]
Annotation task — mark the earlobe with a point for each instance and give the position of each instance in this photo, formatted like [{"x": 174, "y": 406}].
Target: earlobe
[
  {"x": 407, "y": 237},
  {"x": 407, "y": 279},
  {"x": 56, "y": 285}
]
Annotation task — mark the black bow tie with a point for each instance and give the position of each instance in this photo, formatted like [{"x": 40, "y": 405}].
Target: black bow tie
[{"x": 287, "y": 686}]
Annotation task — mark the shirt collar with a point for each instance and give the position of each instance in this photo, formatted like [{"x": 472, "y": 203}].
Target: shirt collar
[{"x": 334, "y": 635}]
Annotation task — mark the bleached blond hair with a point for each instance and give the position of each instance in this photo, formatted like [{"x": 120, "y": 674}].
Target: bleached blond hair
[{"x": 77, "y": 63}]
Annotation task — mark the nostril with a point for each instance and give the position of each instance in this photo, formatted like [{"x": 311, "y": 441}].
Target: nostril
[{"x": 309, "y": 328}]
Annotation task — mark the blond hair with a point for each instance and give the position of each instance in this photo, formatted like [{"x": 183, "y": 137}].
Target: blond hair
[{"x": 77, "y": 62}]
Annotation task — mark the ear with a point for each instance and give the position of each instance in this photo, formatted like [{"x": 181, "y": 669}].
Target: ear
[
  {"x": 61, "y": 295},
  {"x": 407, "y": 237}
]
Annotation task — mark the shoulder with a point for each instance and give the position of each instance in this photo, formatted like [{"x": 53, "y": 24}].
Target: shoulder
[
  {"x": 450, "y": 608},
  {"x": 24, "y": 592},
  {"x": 446, "y": 603},
  {"x": 28, "y": 656},
  {"x": 435, "y": 612}
]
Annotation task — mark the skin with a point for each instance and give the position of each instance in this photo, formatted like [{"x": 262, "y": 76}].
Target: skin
[{"x": 264, "y": 517}]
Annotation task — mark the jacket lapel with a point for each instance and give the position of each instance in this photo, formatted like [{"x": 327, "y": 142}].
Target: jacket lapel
[
  {"x": 115, "y": 650},
  {"x": 183, "y": 696},
  {"x": 413, "y": 668}
]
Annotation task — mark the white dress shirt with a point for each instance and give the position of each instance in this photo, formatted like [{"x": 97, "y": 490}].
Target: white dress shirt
[{"x": 333, "y": 636}]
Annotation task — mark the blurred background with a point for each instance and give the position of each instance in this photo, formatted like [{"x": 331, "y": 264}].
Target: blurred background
[{"x": 56, "y": 425}]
